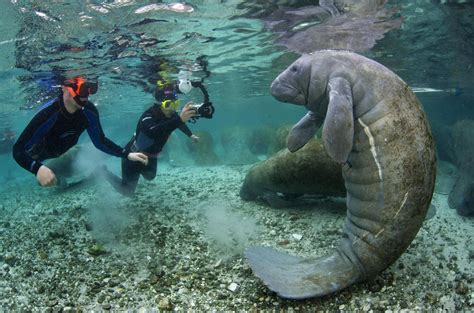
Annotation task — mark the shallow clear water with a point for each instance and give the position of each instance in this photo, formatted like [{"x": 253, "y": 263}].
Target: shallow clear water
[
  {"x": 40, "y": 41},
  {"x": 124, "y": 42}
]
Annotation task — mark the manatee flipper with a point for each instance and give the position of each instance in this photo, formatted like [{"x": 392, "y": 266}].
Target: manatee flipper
[
  {"x": 81, "y": 182},
  {"x": 303, "y": 131},
  {"x": 338, "y": 129},
  {"x": 64, "y": 185},
  {"x": 274, "y": 200},
  {"x": 61, "y": 182},
  {"x": 298, "y": 278},
  {"x": 280, "y": 200}
]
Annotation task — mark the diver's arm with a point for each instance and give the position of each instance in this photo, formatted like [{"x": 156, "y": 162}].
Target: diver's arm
[
  {"x": 94, "y": 129},
  {"x": 35, "y": 131},
  {"x": 154, "y": 128},
  {"x": 103, "y": 143},
  {"x": 185, "y": 129}
]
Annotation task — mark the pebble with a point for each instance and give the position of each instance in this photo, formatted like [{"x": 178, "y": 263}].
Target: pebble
[
  {"x": 461, "y": 288},
  {"x": 164, "y": 304},
  {"x": 53, "y": 302},
  {"x": 297, "y": 237},
  {"x": 9, "y": 259},
  {"x": 233, "y": 287}
]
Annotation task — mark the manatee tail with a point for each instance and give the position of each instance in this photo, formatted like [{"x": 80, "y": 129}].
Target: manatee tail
[{"x": 292, "y": 277}]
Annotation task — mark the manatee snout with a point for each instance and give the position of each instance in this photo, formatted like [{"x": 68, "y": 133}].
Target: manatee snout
[
  {"x": 249, "y": 190},
  {"x": 285, "y": 92},
  {"x": 461, "y": 197},
  {"x": 247, "y": 193}
]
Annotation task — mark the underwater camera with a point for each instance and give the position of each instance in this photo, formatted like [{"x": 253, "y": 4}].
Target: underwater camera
[{"x": 205, "y": 109}]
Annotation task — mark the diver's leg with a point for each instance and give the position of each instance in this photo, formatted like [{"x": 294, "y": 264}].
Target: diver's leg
[
  {"x": 128, "y": 183},
  {"x": 149, "y": 171},
  {"x": 130, "y": 174}
]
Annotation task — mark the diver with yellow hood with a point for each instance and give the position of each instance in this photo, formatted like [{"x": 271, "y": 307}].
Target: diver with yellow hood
[{"x": 152, "y": 132}]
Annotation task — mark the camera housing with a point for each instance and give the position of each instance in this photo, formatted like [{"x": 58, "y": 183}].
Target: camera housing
[
  {"x": 205, "y": 109},
  {"x": 196, "y": 106}
]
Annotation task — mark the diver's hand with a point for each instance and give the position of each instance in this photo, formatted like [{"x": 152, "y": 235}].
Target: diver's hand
[
  {"x": 194, "y": 138},
  {"x": 187, "y": 112},
  {"x": 46, "y": 177},
  {"x": 138, "y": 157}
]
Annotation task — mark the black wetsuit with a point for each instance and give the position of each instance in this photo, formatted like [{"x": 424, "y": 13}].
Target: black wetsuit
[
  {"x": 152, "y": 132},
  {"x": 53, "y": 131}
]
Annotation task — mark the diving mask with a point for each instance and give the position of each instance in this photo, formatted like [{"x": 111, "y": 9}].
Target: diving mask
[
  {"x": 169, "y": 104},
  {"x": 81, "y": 87}
]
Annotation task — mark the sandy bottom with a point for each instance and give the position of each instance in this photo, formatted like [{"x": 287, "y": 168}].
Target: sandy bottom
[{"x": 178, "y": 245}]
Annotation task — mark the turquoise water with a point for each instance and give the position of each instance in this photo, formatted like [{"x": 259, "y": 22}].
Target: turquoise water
[
  {"x": 38, "y": 41},
  {"x": 433, "y": 51}
]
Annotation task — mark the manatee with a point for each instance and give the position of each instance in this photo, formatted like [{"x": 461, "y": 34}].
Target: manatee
[
  {"x": 461, "y": 196},
  {"x": 203, "y": 153},
  {"x": 236, "y": 143},
  {"x": 286, "y": 175},
  {"x": 64, "y": 166},
  {"x": 343, "y": 24},
  {"x": 375, "y": 128},
  {"x": 72, "y": 164}
]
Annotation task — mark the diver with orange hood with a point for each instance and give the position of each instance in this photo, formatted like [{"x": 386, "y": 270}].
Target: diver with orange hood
[{"x": 57, "y": 127}]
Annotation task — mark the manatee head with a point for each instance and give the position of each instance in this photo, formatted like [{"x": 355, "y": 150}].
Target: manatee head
[
  {"x": 467, "y": 206},
  {"x": 303, "y": 82},
  {"x": 292, "y": 84}
]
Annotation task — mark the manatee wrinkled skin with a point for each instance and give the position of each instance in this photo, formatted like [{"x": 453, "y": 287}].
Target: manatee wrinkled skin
[
  {"x": 64, "y": 166},
  {"x": 307, "y": 171},
  {"x": 375, "y": 127}
]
